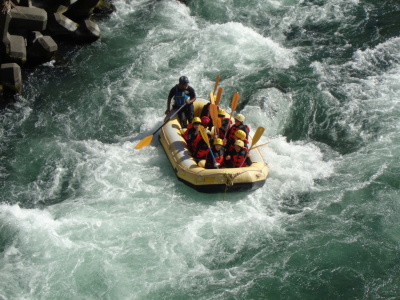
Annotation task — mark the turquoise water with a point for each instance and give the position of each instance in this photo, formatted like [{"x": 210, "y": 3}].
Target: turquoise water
[{"x": 84, "y": 215}]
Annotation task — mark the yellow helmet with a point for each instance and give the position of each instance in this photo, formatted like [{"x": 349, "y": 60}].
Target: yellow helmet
[
  {"x": 221, "y": 112},
  {"x": 240, "y": 118},
  {"x": 218, "y": 142},
  {"x": 196, "y": 120},
  {"x": 239, "y": 143},
  {"x": 240, "y": 134}
]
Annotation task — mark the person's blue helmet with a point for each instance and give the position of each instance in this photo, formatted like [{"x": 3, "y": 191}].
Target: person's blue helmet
[{"x": 183, "y": 80}]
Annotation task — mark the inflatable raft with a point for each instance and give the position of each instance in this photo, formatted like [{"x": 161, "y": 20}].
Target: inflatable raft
[{"x": 209, "y": 180}]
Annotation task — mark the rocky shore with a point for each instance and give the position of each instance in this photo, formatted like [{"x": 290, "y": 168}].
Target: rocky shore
[{"x": 32, "y": 29}]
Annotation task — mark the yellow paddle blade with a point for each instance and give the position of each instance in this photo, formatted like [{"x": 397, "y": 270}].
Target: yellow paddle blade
[
  {"x": 145, "y": 142},
  {"x": 216, "y": 83},
  {"x": 235, "y": 101},
  {"x": 204, "y": 135},
  {"x": 212, "y": 98},
  {"x": 219, "y": 94},
  {"x": 257, "y": 136},
  {"x": 214, "y": 114}
]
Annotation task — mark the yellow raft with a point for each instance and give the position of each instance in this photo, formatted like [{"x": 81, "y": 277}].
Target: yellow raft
[{"x": 209, "y": 180}]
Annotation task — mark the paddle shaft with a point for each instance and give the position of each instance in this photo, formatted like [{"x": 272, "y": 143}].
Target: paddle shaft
[
  {"x": 173, "y": 115},
  {"x": 256, "y": 138},
  {"x": 205, "y": 138}
]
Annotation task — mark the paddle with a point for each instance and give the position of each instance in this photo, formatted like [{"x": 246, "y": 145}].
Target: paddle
[
  {"x": 212, "y": 98},
  {"x": 234, "y": 104},
  {"x": 219, "y": 94},
  {"x": 216, "y": 83},
  {"x": 205, "y": 138},
  {"x": 214, "y": 116},
  {"x": 147, "y": 140},
  {"x": 261, "y": 145},
  {"x": 256, "y": 137}
]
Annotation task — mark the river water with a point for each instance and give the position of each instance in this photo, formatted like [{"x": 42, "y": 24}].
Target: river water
[{"x": 84, "y": 215}]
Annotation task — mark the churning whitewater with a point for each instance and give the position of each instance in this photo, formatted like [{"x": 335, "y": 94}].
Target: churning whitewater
[{"x": 85, "y": 215}]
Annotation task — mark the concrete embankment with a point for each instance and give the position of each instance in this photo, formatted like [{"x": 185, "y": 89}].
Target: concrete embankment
[{"x": 32, "y": 29}]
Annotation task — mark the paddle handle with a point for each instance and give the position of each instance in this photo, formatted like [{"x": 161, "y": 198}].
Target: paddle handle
[{"x": 173, "y": 115}]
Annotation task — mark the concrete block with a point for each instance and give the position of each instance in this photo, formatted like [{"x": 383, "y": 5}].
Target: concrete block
[
  {"x": 11, "y": 79},
  {"x": 17, "y": 52},
  {"x": 87, "y": 32},
  {"x": 81, "y": 9},
  {"x": 61, "y": 25},
  {"x": 28, "y": 18},
  {"x": 42, "y": 50}
]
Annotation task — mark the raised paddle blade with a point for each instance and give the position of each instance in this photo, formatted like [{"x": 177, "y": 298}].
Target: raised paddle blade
[
  {"x": 257, "y": 136},
  {"x": 214, "y": 114},
  {"x": 235, "y": 101},
  {"x": 204, "y": 135},
  {"x": 145, "y": 142},
  {"x": 216, "y": 83},
  {"x": 212, "y": 98},
  {"x": 219, "y": 94}
]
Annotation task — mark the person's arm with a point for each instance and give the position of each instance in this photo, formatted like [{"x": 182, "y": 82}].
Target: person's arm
[
  {"x": 192, "y": 95},
  {"x": 170, "y": 96}
]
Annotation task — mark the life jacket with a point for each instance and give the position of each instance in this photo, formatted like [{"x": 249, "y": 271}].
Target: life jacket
[
  {"x": 192, "y": 139},
  {"x": 222, "y": 130},
  {"x": 219, "y": 158},
  {"x": 180, "y": 97},
  {"x": 201, "y": 150},
  {"x": 239, "y": 158},
  {"x": 234, "y": 128}
]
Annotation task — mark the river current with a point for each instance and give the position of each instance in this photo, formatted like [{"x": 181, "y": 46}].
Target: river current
[{"x": 85, "y": 215}]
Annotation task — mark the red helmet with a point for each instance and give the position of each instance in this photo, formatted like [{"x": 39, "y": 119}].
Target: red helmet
[{"x": 205, "y": 120}]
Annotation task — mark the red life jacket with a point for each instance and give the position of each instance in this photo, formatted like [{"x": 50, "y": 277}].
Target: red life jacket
[
  {"x": 234, "y": 128},
  {"x": 200, "y": 150},
  {"x": 231, "y": 146},
  {"x": 225, "y": 125},
  {"x": 192, "y": 139},
  {"x": 219, "y": 158},
  {"x": 239, "y": 158}
]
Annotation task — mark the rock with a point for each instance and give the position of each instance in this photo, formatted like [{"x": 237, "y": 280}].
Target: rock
[
  {"x": 11, "y": 79},
  {"x": 104, "y": 7}
]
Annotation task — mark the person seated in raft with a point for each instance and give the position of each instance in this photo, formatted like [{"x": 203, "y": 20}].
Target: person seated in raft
[
  {"x": 239, "y": 135},
  {"x": 205, "y": 121},
  {"x": 205, "y": 112},
  {"x": 239, "y": 119},
  {"x": 201, "y": 150},
  {"x": 239, "y": 157},
  {"x": 192, "y": 135},
  {"x": 219, "y": 155},
  {"x": 225, "y": 123}
]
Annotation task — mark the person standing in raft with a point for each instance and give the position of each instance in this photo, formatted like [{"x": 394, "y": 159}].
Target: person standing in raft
[
  {"x": 219, "y": 155},
  {"x": 239, "y": 156},
  {"x": 182, "y": 94},
  {"x": 230, "y": 135}
]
